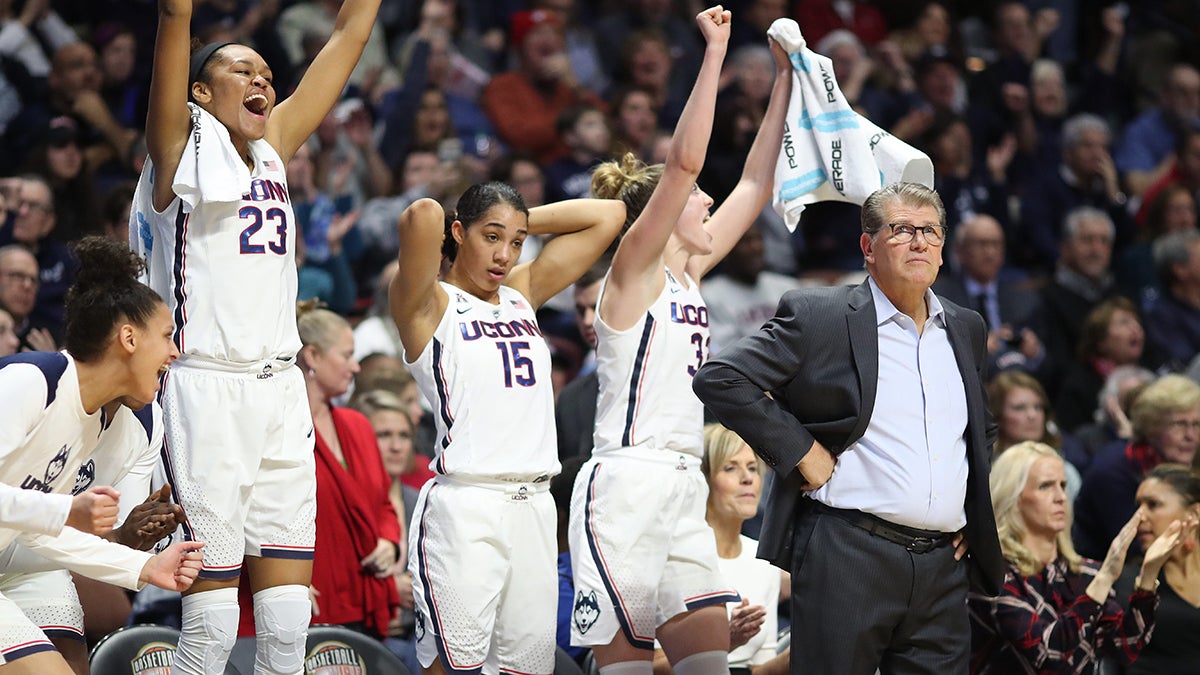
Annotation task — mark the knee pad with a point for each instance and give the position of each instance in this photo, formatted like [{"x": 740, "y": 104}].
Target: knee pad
[
  {"x": 210, "y": 621},
  {"x": 281, "y": 616}
]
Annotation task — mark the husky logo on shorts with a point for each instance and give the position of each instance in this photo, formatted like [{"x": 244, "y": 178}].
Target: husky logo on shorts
[
  {"x": 334, "y": 658},
  {"x": 587, "y": 610},
  {"x": 154, "y": 658},
  {"x": 419, "y": 624},
  {"x": 85, "y": 477},
  {"x": 53, "y": 469},
  {"x": 266, "y": 373}
]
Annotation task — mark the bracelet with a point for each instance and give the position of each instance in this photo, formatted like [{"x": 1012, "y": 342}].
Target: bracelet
[{"x": 1137, "y": 585}]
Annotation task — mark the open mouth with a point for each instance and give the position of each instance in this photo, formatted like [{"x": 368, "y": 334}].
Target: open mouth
[{"x": 256, "y": 104}]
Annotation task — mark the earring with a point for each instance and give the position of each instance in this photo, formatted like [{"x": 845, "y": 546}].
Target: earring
[{"x": 311, "y": 372}]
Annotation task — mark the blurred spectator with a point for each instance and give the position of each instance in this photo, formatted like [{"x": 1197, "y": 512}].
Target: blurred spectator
[
  {"x": 1111, "y": 336},
  {"x": 968, "y": 188},
  {"x": 377, "y": 333},
  {"x": 1011, "y": 311},
  {"x": 122, "y": 86},
  {"x": 9, "y": 342},
  {"x": 1184, "y": 171},
  {"x": 584, "y": 128},
  {"x": 1111, "y": 422},
  {"x": 1146, "y": 150},
  {"x": 646, "y": 63},
  {"x": 346, "y": 160},
  {"x": 394, "y": 431},
  {"x": 744, "y": 295},
  {"x": 1056, "y": 611},
  {"x": 30, "y": 32},
  {"x": 305, "y": 26},
  {"x": 582, "y": 47},
  {"x": 855, "y": 72},
  {"x": 634, "y": 122},
  {"x": 753, "y": 19},
  {"x": 523, "y": 104},
  {"x": 575, "y": 409},
  {"x": 1085, "y": 177},
  {"x": 1022, "y": 412},
  {"x": 74, "y": 90},
  {"x": 438, "y": 100},
  {"x": 18, "y": 293},
  {"x": 1166, "y": 428},
  {"x": 35, "y": 220},
  {"x": 1173, "y": 210},
  {"x": 1080, "y": 282},
  {"x": 931, "y": 27},
  {"x": 1173, "y": 317},
  {"x": 59, "y": 159},
  {"x": 323, "y": 269},
  {"x": 1170, "y": 493},
  {"x": 114, "y": 211},
  {"x": 687, "y": 49},
  {"x": 819, "y": 17},
  {"x": 474, "y": 49}
]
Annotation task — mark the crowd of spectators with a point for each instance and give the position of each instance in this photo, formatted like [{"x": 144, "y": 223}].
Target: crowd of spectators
[{"x": 1065, "y": 137}]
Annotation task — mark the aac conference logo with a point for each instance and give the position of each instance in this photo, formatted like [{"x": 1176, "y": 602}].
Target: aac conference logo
[
  {"x": 154, "y": 658},
  {"x": 334, "y": 658}
]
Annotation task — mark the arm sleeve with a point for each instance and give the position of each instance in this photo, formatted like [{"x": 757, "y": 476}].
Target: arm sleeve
[
  {"x": 91, "y": 556},
  {"x": 733, "y": 386},
  {"x": 1125, "y": 632}
]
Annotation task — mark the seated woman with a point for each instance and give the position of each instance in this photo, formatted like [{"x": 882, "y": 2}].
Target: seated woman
[
  {"x": 1056, "y": 612},
  {"x": 735, "y": 478},
  {"x": 1169, "y": 493},
  {"x": 1166, "y": 428},
  {"x": 1022, "y": 411}
]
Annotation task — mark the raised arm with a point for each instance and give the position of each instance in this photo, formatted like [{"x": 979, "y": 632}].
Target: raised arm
[
  {"x": 585, "y": 227},
  {"x": 417, "y": 302},
  {"x": 296, "y": 118},
  {"x": 636, "y": 276},
  {"x": 167, "y": 117},
  {"x": 753, "y": 191}
]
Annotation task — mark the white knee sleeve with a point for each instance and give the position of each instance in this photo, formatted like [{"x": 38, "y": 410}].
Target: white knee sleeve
[
  {"x": 210, "y": 621},
  {"x": 703, "y": 663},
  {"x": 281, "y": 616}
]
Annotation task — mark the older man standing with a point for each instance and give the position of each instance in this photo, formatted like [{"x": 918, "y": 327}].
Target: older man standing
[{"x": 875, "y": 422}]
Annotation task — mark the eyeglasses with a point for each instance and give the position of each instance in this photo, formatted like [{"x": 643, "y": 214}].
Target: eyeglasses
[
  {"x": 20, "y": 277},
  {"x": 903, "y": 233},
  {"x": 40, "y": 206}
]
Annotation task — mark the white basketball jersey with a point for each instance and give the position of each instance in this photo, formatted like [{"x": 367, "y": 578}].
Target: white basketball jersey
[
  {"x": 646, "y": 371},
  {"x": 227, "y": 270},
  {"x": 45, "y": 435},
  {"x": 486, "y": 375}
]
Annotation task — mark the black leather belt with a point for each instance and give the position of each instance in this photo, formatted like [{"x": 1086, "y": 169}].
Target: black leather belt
[{"x": 912, "y": 539}]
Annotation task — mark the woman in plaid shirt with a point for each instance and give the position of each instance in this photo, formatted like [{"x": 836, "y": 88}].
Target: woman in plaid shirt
[{"x": 1057, "y": 612}]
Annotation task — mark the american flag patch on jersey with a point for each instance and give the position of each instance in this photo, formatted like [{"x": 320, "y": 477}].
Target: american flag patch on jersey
[
  {"x": 519, "y": 304},
  {"x": 270, "y": 165}
]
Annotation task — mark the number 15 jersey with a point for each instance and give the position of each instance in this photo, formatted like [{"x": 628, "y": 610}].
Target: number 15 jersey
[
  {"x": 646, "y": 399},
  {"x": 486, "y": 375}
]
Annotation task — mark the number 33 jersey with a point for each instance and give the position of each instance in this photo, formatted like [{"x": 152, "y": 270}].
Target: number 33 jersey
[
  {"x": 486, "y": 375},
  {"x": 226, "y": 269},
  {"x": 646, "y": 372}
]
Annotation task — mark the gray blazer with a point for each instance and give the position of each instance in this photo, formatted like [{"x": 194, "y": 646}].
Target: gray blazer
[{"x": 819, "y": 359}]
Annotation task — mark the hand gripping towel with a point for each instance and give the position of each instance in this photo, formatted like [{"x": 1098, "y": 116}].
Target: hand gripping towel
[{"x": 830, "y": 152}]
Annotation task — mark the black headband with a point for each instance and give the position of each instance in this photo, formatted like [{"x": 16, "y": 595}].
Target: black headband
[{"x": 201, "y": 57}]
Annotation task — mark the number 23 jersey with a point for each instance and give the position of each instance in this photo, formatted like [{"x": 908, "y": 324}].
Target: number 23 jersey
[
  {"x": 227, "y": 270},
  {"x": 486, "y": 375},
  {"x": 646, "y": 371}
]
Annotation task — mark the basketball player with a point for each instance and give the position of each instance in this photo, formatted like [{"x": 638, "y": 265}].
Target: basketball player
[
  {"x": 52, "y": 410},
  {"x": 644, "y": 559},
  {"x": 482, "y": 545},
  {"x": 214, "y": 218}
]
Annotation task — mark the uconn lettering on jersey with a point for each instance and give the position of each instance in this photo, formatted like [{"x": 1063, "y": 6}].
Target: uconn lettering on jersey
[
  {"x": 689, "y": 314},
  {"x": 505, "y": 329},
  {"x": 262, "y": 189}
]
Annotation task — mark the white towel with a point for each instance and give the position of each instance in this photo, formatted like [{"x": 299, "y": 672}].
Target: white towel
[
  {"x": 830, "y": 152},
  {"x": 214, "y": 170}
]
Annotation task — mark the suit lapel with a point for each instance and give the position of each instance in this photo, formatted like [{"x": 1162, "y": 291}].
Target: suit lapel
[
  {"x": 863, "y": 328},
  {"x": 960, "y": 342}
]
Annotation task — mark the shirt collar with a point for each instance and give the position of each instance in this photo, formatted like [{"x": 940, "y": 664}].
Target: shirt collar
[{"x": 885, "y": 311}]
